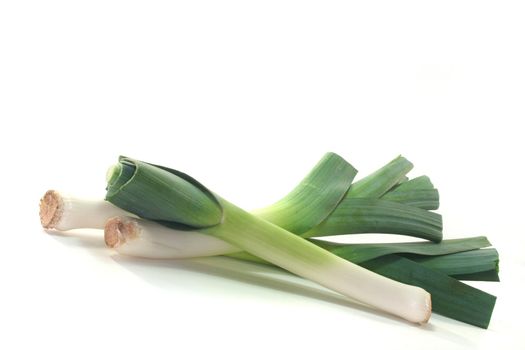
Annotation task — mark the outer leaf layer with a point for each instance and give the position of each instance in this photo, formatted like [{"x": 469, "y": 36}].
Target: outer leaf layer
[{"x": 316, "y": 196}]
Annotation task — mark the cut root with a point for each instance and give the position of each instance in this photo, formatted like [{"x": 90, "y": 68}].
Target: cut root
[
  {"x": 51, "y": 209},
  {"x": 118, "y": 230}
]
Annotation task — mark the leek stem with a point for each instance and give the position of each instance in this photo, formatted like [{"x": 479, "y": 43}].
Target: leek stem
[
  {"x": 62, "y": 212},
  {"x": 305, "y": 259}
]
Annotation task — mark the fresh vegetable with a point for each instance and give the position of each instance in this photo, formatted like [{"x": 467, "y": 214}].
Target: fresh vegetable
[
  {"x": 176, "y": 200},
  {"x": 68, "y": 212},
  {"x": 142, "y": 238},
  {"x": 146, "y": 239}
]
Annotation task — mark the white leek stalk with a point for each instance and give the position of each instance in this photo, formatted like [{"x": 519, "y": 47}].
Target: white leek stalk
[
  {"x": 147, "y": 239},
  {"x": 62, "y": 212}
]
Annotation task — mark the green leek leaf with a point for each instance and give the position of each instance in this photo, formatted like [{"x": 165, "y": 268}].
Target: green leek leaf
[
  {"x": 462, "y": 263},
  {"x": 312, "y": 200},
  {"x": 419, "y": 251},
  {"x": 363, "y": 215},
  {"x": 185, "y": 202},
  {"x": 488, "y": 276},
  {"x": 382, "y": 180},
  {"x": 424, "y": 199}
]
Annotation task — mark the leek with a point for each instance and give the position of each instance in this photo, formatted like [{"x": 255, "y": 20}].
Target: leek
[
  {"x": 360, "y": 215},
  {"x": 176, "y": 200},
  {"x": 152, "y": 242},
  {"x": 451, "y": 298},
  {"x": 78, "y": 213},
  {"x": 311, "y": 203}
]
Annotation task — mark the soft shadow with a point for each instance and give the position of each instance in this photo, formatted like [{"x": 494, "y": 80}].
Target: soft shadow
[
  {"x": 89, "y": 240},
  {"x": 446, "y": 333},
  {"x": 159, "y": 274}
]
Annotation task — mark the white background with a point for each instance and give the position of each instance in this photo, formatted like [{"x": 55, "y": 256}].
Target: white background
[{"x": 246, "y": 96}]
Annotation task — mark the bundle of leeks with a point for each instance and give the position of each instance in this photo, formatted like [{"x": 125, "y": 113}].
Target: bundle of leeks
[{"x": 156, "y": 212}]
